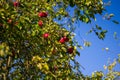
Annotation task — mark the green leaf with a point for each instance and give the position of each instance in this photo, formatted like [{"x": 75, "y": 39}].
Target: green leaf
[
  {"x": 98, "y": 27},
  {"x": 77, "y": 53},
  {"x": 104, "y": 31},
  {"x": 114, "y": 21},
  {"x": 87, "y": 44},
  {"x": 71, "y": 3},
  {"x": 111, "y": 15}
]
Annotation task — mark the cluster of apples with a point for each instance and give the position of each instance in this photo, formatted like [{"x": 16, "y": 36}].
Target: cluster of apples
[
  {"x": 62, "y": 40},
  {"x": 40, "y": 22},
  {"x": 66, "y": 39},
  {"x": 46, "y": 35}
]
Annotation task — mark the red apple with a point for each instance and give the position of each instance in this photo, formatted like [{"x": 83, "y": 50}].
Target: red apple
[
  {"x": 46, "y": 35},
  {"x": 16, "y": 4},
  {"x": 42, "y": 14},
  {"x": 66, "y": 39},
  {"x": 62, "y": 40},
  {"x": 9, "y": 21},
  {"x": 70, "y": 50},
  {"x": 40, "y": 23}
]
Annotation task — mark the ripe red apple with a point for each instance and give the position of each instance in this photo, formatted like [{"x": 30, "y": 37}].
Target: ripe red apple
[
  {"x": 70, "y": 50},
  {"x": 64, "y": 39},
  {"x": 16, "y": 4},
  {"x": 46, "y": 35},
  {"x": 40, "y": 23},
  {"x": 42, "y": 14}
]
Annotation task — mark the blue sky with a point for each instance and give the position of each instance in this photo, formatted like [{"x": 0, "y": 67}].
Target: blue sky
[{"x": 93, "y": 58}]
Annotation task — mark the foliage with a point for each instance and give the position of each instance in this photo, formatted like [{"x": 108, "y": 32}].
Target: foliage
[
  {"x": 30, "y": 40},
  {"x": 110, "y": 75}
]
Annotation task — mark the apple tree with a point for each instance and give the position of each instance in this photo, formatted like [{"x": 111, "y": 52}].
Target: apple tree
[{"x": 34, "y": 41}]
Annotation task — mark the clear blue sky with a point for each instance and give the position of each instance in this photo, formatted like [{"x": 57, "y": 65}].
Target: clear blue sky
[{"x": 93, "y": 58}]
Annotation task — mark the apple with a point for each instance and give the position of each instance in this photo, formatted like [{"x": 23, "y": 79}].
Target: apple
[
  {"x": 9, "y": 21},
  {"x": 40, "y": 23},
  {"x": 15, "y": 4},
  {"x": 42, "y": 14},
  {"x": 46, "y": 35},
  {"x": 70, "y": 50},
  {"x": 64, "y": 39}
]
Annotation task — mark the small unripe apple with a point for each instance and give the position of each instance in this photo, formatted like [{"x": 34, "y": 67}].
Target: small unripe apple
[
  {"x": 40, "y": 23},
  {"x": 42, "y": 14},
  {"x": 70, "y": 50},
  {"x": 16, "y": 4},
  {"x": 46, "y": 35}
]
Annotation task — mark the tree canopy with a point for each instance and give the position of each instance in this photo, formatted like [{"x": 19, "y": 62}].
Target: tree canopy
[{"x": 34, "y": 43}]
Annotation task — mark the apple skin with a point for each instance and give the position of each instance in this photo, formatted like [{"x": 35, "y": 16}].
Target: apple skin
[
  {"x": 42, "y": 14},
  {"x": 64, "y": 39},
  {"x": 40, "y": 23},
  {"x": 70, "y": 50},
  {"x": 46, "y": 35},
  {"x": 16, "y": 4}
]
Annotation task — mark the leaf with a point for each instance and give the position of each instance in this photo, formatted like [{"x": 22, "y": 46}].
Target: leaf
[
  {"x": 87, "y": 44},
  {"x": 46, "y": 66},
  {"x": 79, "y": 46},
  {"x": 104, "y": 31},
  {"x": 98, "y": 27},
  {"x": 77, "y": 53},
  {"x": 101, "y": 36},
  {"x": 111, "y": 15},
  {"x": 39, "y": 66},
  {"x": 48, "y": 1},
  {"x": 71, "y": 3},
  {"x": 114, "y": 21}
]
